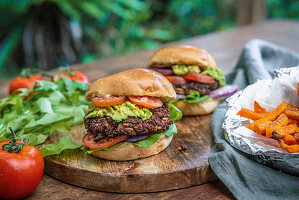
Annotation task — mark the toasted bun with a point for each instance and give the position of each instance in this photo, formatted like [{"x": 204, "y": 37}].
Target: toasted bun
[
  {"x": 135, "y": 82},
  {"x": 205, "y": 107},
  {"x": 129, "y": 151},
  {"x": 183, "y": 54}
]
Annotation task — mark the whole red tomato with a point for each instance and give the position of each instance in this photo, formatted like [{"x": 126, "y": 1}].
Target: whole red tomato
[
  {"x": 75, "y": 76},
  {"x": 23, "y": 82},
  {"x": 20, "y": 172}
]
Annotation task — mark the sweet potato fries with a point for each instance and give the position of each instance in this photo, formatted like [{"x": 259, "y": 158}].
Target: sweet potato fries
[{"x": 281, "y": 124}]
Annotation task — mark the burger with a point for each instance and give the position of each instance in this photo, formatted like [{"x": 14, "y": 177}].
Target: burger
[
  {"x": 197, "y": 81},
  {"x": 130, "y": 116}
]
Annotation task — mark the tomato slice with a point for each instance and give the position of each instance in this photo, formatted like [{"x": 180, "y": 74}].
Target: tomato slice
[
  {"x": 148, "y": 102},
  {"x": 176, "y": 79},
  {"x": 193, "y": 76},
  {"x": 88, "y": 140},
  {"x": 108, "y": 101}
]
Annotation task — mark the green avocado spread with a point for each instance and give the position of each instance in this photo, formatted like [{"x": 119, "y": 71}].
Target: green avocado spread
[
  {"x": 181, "y": 69},
  {"x": 119, "y": 112},
  {"x": 216, "y": 74}
]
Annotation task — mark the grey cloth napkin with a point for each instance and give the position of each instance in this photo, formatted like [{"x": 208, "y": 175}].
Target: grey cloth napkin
[{"x": 245, "y": 178}]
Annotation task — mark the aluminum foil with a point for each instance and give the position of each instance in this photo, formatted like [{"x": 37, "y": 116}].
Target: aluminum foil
[{"x": 269, "y": 93}]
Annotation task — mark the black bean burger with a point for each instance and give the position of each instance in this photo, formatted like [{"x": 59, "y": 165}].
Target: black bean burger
[
  {"x": 194, "y": 75},
  {"x": 129, "y": 116}
]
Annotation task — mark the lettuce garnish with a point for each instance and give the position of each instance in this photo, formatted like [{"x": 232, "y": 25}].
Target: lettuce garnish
[{"x": 53, "y": 107}]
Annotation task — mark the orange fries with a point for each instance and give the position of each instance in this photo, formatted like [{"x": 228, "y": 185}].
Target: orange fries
[
  {"x": 286, "y": 130},
  {"x": 244, "y": 112},
  {"x": 292, "y": 114},
  {"x": 282, "y": 124},
  {"x": 289, "y": 148},
  {"x": 261, "y": 127},
  {"x": 258, "y": 108},
  {"x": 282, "y": 120}
]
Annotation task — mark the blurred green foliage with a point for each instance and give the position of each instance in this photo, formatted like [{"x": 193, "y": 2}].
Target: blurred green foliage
[
  {"x": 49, "y": 33},
  {"x": 287, "y": 9}
]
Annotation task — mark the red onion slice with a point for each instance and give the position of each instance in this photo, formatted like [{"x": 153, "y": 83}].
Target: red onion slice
[
  {"x": 180, "y": 96},
  {"x": 164, "y": 72},
  {"x": 226, "y": 90},
  {"x": 137, "y": 138}
]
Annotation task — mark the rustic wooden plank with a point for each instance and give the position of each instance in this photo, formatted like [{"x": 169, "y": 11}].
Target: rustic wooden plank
[
  {"x": 170, "y": 169},
  {"x": 54, "y": 189}
]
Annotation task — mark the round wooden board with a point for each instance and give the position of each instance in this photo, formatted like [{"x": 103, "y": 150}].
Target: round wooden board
[{"x": 170, "y": 169}]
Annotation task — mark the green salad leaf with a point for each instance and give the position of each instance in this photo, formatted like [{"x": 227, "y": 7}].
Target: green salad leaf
[
  {"x": 193, "y": 97},
  {"x": 171, "y": 131},
  {"x": 174, "y": 113},
  {"x": 52, "y": 107},
  {"x": 64, "y": 143},
  {"x": 148, "y": 141},
  {"x": 155, "y": 137}
]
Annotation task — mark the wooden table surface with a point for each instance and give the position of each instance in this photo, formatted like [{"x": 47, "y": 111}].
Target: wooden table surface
[{"x": 226, "y": 47}]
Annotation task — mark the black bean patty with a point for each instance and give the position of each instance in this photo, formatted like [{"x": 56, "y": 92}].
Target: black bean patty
[
  {"x": 202, "y": 88},
  {"x": 132, "y": 126}
]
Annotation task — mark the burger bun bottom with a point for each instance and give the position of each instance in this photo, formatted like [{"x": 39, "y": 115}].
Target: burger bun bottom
[
  {"x": 129, "y": 151},
  {"x": 205, "y": 107}
]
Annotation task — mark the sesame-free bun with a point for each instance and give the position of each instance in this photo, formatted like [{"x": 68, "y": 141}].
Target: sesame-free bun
[
  {"x": 182, "y": 54},
  {"x": 129, "y": 151},
  {"x": 134, "y": 82},
  {"x": 205, "y": 107}
]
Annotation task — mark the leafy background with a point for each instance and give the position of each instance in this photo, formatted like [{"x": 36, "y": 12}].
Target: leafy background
[{"x": 50, "y": 33}]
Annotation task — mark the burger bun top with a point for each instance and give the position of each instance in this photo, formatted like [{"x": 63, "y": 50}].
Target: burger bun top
[
  {"x": 133, "y": 82},
  {"x": 182, "y": 54}
]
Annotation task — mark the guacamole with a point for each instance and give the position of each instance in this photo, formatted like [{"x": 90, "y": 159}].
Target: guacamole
[
  {"x": 216, "y": 74},
  {"x": 181, "y": 69},
  {"x": 119, "y": 112}
]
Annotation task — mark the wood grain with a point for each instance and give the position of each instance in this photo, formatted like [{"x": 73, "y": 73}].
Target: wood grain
[
  {"x": 170, "y": 169},
  {"x": 51, "y": 188}
]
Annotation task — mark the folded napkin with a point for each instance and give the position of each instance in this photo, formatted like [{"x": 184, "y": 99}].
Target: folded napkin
[{"x": 245, "y": 178}]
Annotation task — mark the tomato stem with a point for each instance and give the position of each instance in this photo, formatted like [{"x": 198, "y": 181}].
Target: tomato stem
[
  {"x": 14, "y": 139},
  {"x": 14, "y": 146}
]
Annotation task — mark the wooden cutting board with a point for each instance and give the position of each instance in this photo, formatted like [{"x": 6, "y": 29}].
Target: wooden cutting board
[{"x": 170, "y": 169}]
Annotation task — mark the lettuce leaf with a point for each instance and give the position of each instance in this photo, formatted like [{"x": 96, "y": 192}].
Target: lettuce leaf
[
  {"x": 193, "y": 97},
  {"x": 64, "y": 143},
  {"x": 155, "y": 137},
  {"x": 172, "y": 130},
  {"x": 53, "y": 107},
  {"x": 174, "y": 113},
  {"x": 148, "y": 141}
]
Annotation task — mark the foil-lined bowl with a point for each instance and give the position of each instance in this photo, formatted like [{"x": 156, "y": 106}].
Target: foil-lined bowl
[{"x": 269, "y": 93}]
